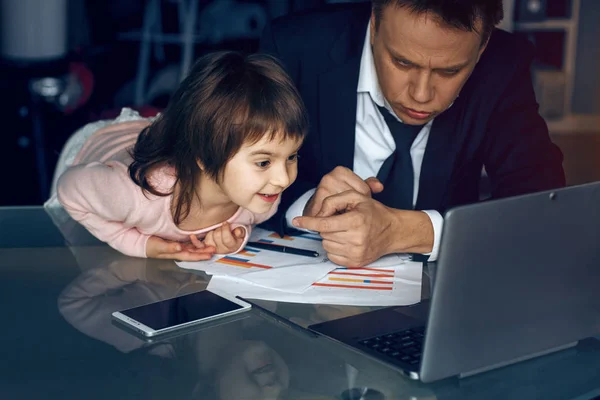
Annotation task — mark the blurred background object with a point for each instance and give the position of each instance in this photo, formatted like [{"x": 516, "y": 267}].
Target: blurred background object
[{"x": 64, "y": 63}]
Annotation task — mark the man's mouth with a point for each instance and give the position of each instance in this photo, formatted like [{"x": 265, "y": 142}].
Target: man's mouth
[
  {"x": 270, "y": 198},
  {"x": 417, "y": 114}
]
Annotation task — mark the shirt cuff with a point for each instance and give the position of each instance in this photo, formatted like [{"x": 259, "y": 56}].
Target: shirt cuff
[
  {"x": 297, "y": 208},
  {"x": 438, "y": 223}
]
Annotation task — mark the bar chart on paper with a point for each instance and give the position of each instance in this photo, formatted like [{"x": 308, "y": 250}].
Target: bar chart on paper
[
  {"x": 263, "y": 274},
  {"x": 371, "y": 286},
  {"x": 368, "y": 279},
  {"x": 251, "y": 259}
]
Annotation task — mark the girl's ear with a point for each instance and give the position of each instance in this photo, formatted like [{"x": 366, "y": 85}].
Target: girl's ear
[{"x": 200, "y": 165}]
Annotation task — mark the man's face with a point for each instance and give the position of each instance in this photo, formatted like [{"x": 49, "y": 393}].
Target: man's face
[{"x": 421, "y": 65}]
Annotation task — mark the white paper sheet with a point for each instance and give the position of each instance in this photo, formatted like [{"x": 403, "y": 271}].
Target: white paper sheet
[
  {"x": 371, "y": 286},
  {"x": 271, "y": 269},
  {"x": 267, "y": 275}
]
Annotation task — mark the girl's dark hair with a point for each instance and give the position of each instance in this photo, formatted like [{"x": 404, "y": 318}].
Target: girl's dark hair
[
  {"x": 226, "y": 101},
  {"x": 461, "y": 14}
]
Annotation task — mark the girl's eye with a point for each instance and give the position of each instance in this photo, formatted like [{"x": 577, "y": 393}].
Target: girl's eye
[
  {"x": 293, "y": 157},
  {"x": 263, "y": 164}
]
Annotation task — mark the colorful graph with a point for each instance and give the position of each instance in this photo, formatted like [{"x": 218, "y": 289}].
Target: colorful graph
[
  {"x": 248, "y": 252},
  {"x": 276, "y": 236},
  {"x": 237, "y": 261},
  {"x": 359, "y": 278}
]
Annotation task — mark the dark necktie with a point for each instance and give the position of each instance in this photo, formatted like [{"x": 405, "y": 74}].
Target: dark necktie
[{"x": 396, "y": 173}]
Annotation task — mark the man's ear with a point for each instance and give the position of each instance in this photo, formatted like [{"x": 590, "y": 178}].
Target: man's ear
[
  {"x": 372, "y": 30},
  {"x": 200, "y": 164},
  {"x": 482, "y": 48}
]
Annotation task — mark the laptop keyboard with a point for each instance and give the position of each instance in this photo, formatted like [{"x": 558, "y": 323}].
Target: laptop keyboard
[{"x": 403, "y": 347}]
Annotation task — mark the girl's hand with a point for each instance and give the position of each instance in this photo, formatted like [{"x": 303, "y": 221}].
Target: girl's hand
[
  {"x": 224, "y": 239},
  {"x": 160, "y": 248}
]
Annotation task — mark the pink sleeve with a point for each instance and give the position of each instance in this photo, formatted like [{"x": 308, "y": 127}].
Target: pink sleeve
[{"x": 104, "y": 199}]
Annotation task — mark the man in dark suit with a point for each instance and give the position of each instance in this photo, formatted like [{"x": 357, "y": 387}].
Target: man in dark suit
[{"x": 408, "y": 101}]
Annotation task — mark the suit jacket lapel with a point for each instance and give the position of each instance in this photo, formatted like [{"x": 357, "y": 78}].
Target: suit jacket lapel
[
  {"x": 444, "y": 143},
  {"x": 337, "y": 96},
  {"x": 337, "y": 115}
]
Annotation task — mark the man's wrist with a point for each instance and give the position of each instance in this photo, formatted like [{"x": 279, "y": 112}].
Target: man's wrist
[{"x": 412, "y": 232}]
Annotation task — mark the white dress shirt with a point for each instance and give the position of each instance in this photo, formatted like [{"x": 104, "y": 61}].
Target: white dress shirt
[{"x": 374, "y": 142}]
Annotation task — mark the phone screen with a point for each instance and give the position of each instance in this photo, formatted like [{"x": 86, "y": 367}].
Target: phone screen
[{"x": 180, "y": 310}]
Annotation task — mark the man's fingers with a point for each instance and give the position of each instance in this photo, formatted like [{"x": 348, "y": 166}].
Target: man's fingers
[
  {"x": 339, "y": 203},
  {"x": 347, "y": 179},
  {"x": 335, "y": 223},
  {"x": 374, "y": 184},
  {"x": 345, "y": 261}
]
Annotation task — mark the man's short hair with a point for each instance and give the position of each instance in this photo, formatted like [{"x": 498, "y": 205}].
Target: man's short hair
[{"x": 460, "y": 14}]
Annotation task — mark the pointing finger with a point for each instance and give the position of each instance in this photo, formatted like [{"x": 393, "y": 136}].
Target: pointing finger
[{"x": 334, "y": 223}]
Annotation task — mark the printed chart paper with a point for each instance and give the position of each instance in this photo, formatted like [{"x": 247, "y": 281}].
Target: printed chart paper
[
  {"x": 370, "y": 286},
  {"x": 261, "y": 274}
]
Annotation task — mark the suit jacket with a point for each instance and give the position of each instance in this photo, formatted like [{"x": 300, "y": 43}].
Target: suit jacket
[{"x": 494, "y": 122}]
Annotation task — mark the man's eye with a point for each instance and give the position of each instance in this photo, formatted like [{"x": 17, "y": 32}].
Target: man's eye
[
  {"x": 402, "y": 63},
  {"x": 293, "y": 157},
  {"x": 450, "y": 72},
  {"x": 263, "y": 164}
]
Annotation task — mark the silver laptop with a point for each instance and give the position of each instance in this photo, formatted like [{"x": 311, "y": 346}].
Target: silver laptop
[{"x": 516, "y": 278}]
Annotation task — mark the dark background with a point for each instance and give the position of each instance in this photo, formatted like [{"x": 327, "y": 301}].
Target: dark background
[{"x": 103, "y": 48}]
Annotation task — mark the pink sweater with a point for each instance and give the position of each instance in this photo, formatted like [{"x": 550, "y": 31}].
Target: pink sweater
[{"x": 98, "y": 193}]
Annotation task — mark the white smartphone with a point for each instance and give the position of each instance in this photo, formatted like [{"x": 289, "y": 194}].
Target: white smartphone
[{"x": 180, "y": 312}]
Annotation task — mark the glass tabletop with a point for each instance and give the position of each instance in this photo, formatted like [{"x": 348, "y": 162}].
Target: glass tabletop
[{"x": 61, "y": 286}]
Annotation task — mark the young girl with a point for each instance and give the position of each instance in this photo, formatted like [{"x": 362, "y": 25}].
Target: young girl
[{"x": 193, "y": 181}]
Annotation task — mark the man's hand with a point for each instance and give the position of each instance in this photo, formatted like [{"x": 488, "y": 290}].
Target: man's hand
[
  {"x": 357, "y": 229},
  {"x": 157, "y": 247},
  {"x": 224, "y": 239},
  {"x": 337, "y": 181}
]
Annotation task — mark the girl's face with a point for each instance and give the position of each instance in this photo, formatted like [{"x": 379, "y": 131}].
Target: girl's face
[{"x": 255, "y": 177}]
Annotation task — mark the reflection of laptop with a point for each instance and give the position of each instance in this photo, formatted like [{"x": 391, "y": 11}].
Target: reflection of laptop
[{"x": 516, "y": 278}]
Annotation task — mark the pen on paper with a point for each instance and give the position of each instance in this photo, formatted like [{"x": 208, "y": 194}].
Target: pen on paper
[{"x": 284, "y": 249}]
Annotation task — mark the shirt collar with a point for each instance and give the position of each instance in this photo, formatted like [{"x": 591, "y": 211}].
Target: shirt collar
[{"x": 367, "y": 78}]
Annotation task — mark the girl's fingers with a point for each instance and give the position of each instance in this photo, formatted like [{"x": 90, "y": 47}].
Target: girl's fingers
[
  {"x": 173, "y": 247},
  {"x": 209, "y": 239},
  {"x": 228, "y": 240},
  {"x": 218, "y": 236},
  {"x": 239, "y": 232},
  {"x": 189, "y": 256},
  {"x": 193, "y": 249},
  {"x": 196, "y": 242}
]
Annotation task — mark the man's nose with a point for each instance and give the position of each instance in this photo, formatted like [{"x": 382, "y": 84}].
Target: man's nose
[{"x": 421, "y": 89}]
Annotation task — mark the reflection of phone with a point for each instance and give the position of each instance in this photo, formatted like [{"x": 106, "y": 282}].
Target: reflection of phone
[{"x": 180, "y": 312}]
